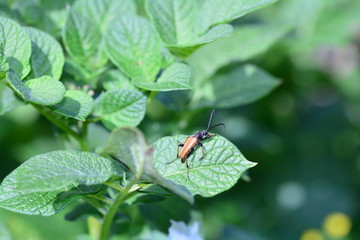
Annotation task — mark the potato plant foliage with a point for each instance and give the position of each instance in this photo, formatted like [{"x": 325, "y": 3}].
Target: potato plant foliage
[{"x": 107, "y": 63}]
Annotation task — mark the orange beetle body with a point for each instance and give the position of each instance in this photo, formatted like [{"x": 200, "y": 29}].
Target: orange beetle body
[
  {"x": 192, "y": 142},
  {"x": 189, "y": 145}
]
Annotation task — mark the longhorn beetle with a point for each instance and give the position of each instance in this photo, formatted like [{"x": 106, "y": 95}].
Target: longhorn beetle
[{"x": 193, "y": 141}]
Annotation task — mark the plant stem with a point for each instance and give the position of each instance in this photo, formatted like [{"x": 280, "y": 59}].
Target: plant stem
[{"x": 106, "y": 226}]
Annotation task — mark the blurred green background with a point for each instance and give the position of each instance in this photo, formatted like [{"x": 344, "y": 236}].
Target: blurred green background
[{"x": 304, "y": 136}]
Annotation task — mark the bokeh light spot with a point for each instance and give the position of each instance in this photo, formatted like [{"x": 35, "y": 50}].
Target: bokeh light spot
[
  {"x": 337, "y": 224},
  {"x": 311, "y": 234},
  {"x": 291, "y": 195}
]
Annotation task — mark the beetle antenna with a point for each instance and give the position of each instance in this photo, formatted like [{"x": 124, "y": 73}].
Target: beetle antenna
[
  {"x": 211, "y": 116},
  {"x": 219, "y": 124}
]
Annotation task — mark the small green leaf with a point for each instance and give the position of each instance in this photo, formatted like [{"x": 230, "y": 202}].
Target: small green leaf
[
  {"x": 176, "y": 77},
  {"x": 120, "y": 108},
  {"x": 82, "y": 74},
  {"x": 75, "y": 104},
  {"x": 237, "y": 87},
  {"x": 47, "y": 57},
  {"x": 43, "y": 91},
  {"x": 114, "y": 79},
  {"x": 252, "y": 40},
  {"x": 8, "y": 100},
  {"x": 129, "y": 146},
  {"x": 82, "y": 39},
  {"x": 218, "y": 171},
  {"x": 17, "y": 46},
  {"x": 133, "y": 46},
  {"x": 214, "y": 12}
]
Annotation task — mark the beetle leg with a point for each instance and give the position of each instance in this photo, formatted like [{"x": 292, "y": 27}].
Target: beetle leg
[
  {"x": 177, "y": 153},
  {"x": 179, "y": 145},
  {"x": 203, "y": 150},
  {"x": 187, "y": 168}
]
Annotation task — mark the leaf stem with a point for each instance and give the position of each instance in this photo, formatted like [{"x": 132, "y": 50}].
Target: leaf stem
[
  {"x": 102, "y": 199},
  {"x": 93, "y": 119},
  {"x": 105, "y": 230},
  {"x": 115, "y": 186}
]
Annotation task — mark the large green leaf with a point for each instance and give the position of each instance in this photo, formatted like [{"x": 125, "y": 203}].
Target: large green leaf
[
  {"x": 47, "y": 57},
  {"x": 8, "y": 100},
  {"x": 47, "y": 183},
  {"x": 63, "y": 170},
  {"x": 185, "y": 26},
  {"x": 174, "y": 20},
  {"x": 218, "y": 171},
  {"x": 17, "y": 46},
  {"x": 133, "y": 46},
  {"x": 215, "y": 33},
  {"x": 83, "y": 39},
  {"x": 176, "y": 77},
  {"x": 214, "y": 12},
  {"x": 239, "y": 86},
  {"x": 251, "y": 41},
  {"x": 101, "y": 12},
  {"x": 43, "y": 91},
  {"x": 129, "y": 146},
  {"x": 39, "y": 203},
  {"x": 75, "y": 104},
  {"x": 53, "y": 16},
  {"x": 121, "y": 108}
]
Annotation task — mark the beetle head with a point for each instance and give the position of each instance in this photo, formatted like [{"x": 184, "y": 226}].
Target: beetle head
[{"x": 205, "y": 134}]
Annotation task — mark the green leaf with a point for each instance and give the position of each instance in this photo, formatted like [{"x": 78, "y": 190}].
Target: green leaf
[
  {"x": 4, "y": 65},
  {"x": 120, "y": 108},
  {"x": 62, "y": 170},
  {"x": 17, "y": 46},
  {"x": 47, "y": 183},
  {"x": 39, "y": 203},
  {"x": 129, "y": 146},
  {"x": 215, "y": 33},
  {"x": 237, "y": 87},
  {"x": 53, "y": 16},
  {"x": 101, "y": 12},
  {"x": 173, "y": 20},
  {"x": 176, "y": 77},
  {"x": 75, "y": 104},
  {"x": 82, "y": 74},
  {"x": 8, "y": 100},
  {"x": 133, "y": 46},
  {"x": 252, "y": 40},
  {"x": 184, "y": 26},
  {"x": 218, "y": 171},
  {"x": 114, "y": 79},
  {"x": 47, "y": 57},
  {"x": 214, "y": 12},
  {"x": 82, "y": 40},
  {"x": 43, "y": 91}
]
